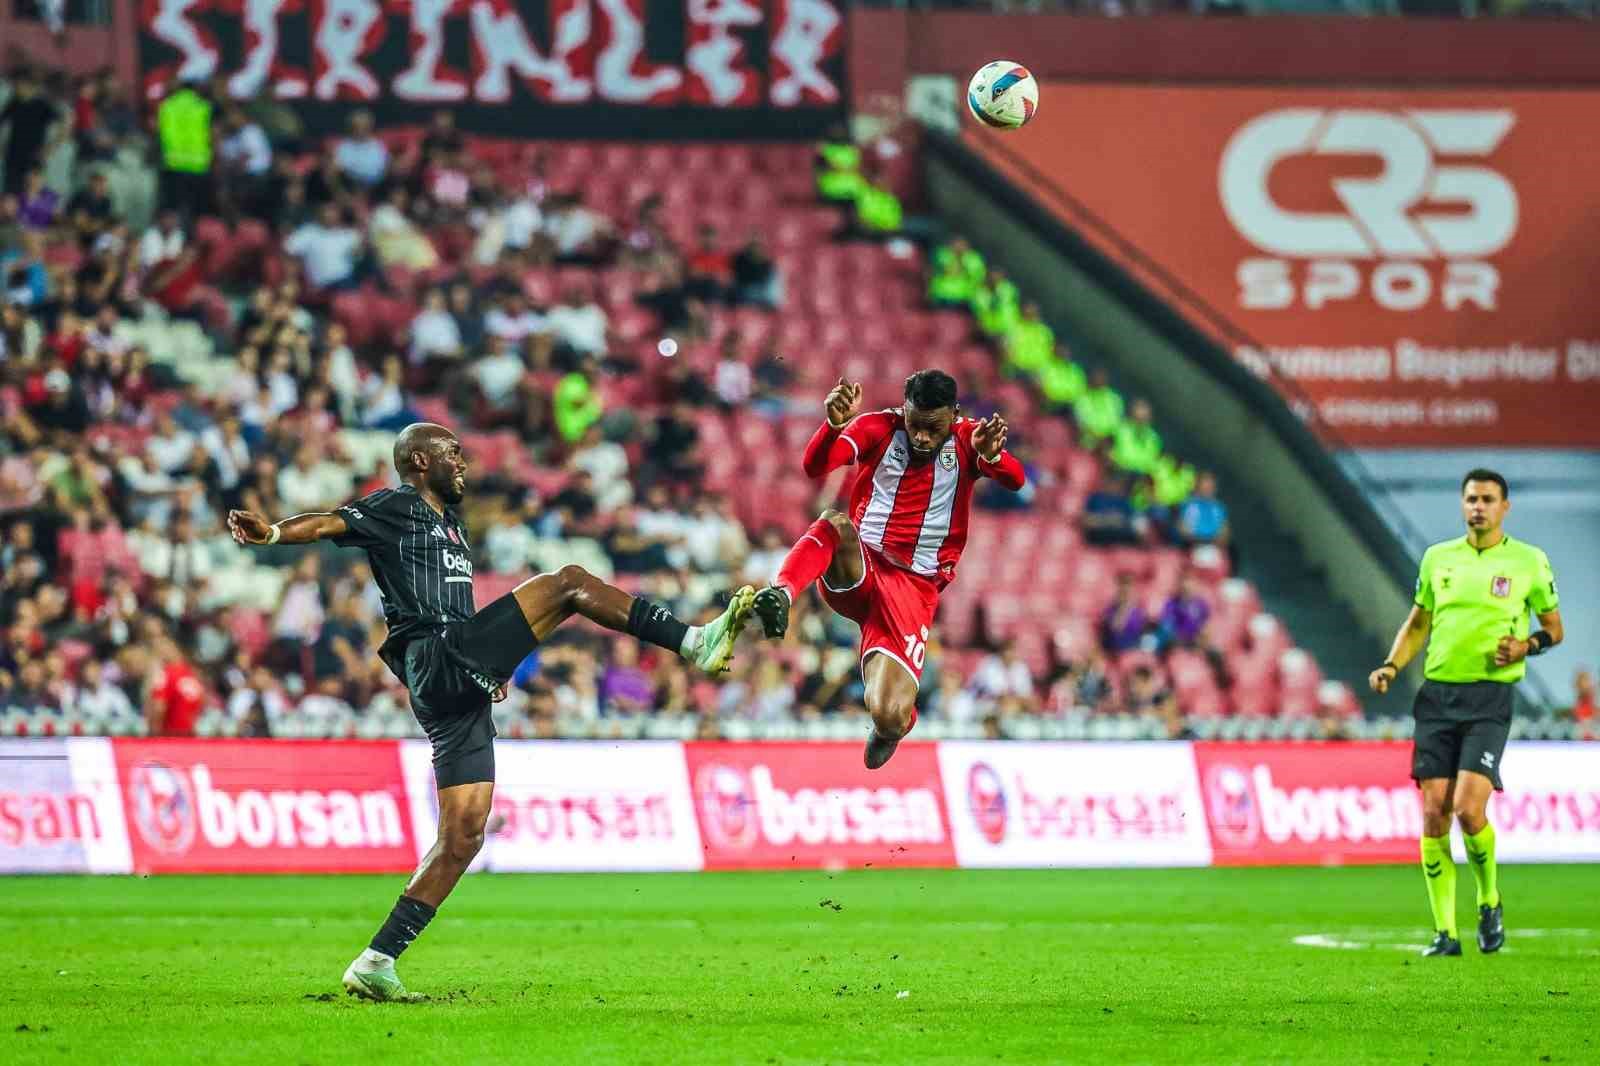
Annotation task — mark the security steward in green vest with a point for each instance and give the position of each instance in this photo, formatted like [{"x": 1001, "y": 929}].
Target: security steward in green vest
[
  {"x": 183, "y": 124},
  {"x": 1472, "y": 603}
]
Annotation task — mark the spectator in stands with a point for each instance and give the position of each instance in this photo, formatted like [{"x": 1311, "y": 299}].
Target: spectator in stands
[
  {"x": 1148, "y": 694},
  {"x": 435, "y": 334},
  {"x": 606, "y": 463},
  {"x": 498, "y": 376},
  {"x": 1029, "y": 345},
  {"x": 674, "y": 446},
  {"x": 576, "y": 406},
  {"x": 1183, "y": 617},
  {"x": 997, "y": 305},
  {"x": 581, "y": 235},
  {"x": 244, "y": 166},
  {"x": 1108, "y": 514},
  {"x": 1203, "y": 519},
  {"x": 625, "y": 689},
  {"x": 183, "y": 124},
  {"x": 163, "y": 241},
  {"x": 38, "y": 204},
  {"x": 756, "y": 278},
  {"x": 717, "y": 542},
  {"x": 328, "y": 250},
  {"x": 1123, "y": 622},
  {"x": 312, "y": 482},
  {"x": 175, "y": 695},
  {"x": 709, "y": 267},
  {"x": 512, "y": 319},
  {"x": 955, "y": 274},
  {"x": 29, "y": 115},
  {"x": 1002, "y": 674},
  {"x": 96, "y": 697},
  {"x": 1136, "y": 446},
  {"x": 1098, "y": 412},
  {"x": 91, "y": 211},
  {"x": 1583, "y": 701},
  {"x": 732, "y": 378},
  {"x": 361, "y": 156},
  {"x": 396, "y": 238},
  {"x": 578, "y": 324}
]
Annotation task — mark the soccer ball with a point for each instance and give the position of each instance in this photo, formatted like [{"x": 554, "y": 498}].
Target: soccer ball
[{"x": 1003, "y": 95}]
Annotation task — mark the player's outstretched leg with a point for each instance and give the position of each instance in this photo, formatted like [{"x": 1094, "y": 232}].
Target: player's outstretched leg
[
  {"x": 830, "y": 547},
  {"x": 463, "y": 812},
  {"x": 550, "y": 599},
  {"x": 892, "y": 702},
  {"x": 1438, "y": 866}
]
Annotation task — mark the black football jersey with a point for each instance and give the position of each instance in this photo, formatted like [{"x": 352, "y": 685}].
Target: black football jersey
[{"x": 420, "y": 559}]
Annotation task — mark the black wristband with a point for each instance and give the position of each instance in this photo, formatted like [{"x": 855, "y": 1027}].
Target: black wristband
[
  {"x": 1539, "y": 642},
  {"x": 1390, "y": 664}
]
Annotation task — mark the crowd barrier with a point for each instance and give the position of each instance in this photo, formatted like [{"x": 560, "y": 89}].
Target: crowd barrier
[{"x": 114, "y": 805}]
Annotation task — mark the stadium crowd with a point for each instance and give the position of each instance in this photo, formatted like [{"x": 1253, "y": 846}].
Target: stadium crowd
[{"x": 210, "y": 311}]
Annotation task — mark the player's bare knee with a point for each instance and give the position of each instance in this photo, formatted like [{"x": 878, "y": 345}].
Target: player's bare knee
[
  {"x": 1472, "y": 818},
  {"x": 462, "y": 841},
  {"x": 841, "y": 525},
  {"x": 893, "y": 718},
  {"x": 572, "y": 579}
]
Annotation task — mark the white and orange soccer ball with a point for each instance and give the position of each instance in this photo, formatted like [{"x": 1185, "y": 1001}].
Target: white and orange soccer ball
[{"x": 1003, "y": 95}]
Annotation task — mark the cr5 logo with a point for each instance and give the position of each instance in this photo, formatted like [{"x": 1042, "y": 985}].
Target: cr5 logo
[{"x": 1382, "y": 219}]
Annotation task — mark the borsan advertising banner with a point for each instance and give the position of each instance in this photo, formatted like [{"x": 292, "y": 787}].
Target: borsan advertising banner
[
  {"x": 570, "y": 68},
  {"x": 282, "y": 806},
  {"x": 1410, "y": 267},
  {"x": 575, "y": 805},
  {"x": 1286, "y": 804},
  {"x": 1550, "y": 809},
  {"x": 773, "y": 806},
  {"x": 1074, "y": 804},
  {"x": 60, "y": 811}
]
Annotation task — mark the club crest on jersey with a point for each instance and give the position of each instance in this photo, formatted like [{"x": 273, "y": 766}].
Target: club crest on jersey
[
  {"x": 1501, "y": 587},
  {"x": 454, "y": 539},
  {"x": 947, "y": 459}
]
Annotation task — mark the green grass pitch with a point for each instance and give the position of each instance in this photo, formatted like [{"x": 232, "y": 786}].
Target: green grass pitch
[{"x": 875, "y": 966}]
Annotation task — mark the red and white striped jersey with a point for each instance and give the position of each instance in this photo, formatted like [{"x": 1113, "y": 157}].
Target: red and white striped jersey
[{"x": 915, "y": 513}]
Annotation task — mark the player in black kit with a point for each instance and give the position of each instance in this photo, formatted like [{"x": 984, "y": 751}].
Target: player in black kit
[{"x": 455, "y": 661}]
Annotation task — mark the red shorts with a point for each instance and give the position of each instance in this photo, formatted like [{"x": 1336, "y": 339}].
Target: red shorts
[{"x": 893, "y": 607}]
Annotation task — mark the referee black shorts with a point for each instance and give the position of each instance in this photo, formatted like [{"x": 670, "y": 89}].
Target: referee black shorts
[
  {"x": 1460, "y": 727},
  {"x": 451, "y": 676}
]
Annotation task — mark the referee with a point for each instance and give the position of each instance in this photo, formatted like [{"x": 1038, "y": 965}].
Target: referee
[{"x": 1473, "y": 596}]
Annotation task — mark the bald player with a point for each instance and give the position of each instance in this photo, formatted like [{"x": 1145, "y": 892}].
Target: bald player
[{"x": 454, "y": 661}]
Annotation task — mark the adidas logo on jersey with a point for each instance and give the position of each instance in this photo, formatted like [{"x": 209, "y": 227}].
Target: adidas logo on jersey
[{"x": 438, "y": 532}]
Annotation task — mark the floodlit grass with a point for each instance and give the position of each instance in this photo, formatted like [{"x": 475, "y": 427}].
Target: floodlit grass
[{"x": 876, "y": 966}]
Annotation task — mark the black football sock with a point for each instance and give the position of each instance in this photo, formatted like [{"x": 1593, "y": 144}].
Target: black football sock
[
  {"x": 654, "y": 624},
  {"x": 404, "y": 924}
]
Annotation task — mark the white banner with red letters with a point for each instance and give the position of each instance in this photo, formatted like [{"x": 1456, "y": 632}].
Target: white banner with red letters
[
  {"x": 1111, "y": 804},
  {"x": 101, "y": 805}
]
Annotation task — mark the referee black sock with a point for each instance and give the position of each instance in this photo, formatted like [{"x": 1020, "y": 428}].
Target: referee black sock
[
  {"x": 653, "y": 623},
  {"x": 404, "y": 924}
]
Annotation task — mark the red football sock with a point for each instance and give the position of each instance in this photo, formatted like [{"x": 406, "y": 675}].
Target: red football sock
[{"x": 808, "y": 559}]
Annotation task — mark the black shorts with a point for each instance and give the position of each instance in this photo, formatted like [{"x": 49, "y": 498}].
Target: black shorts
[
  {"x": 451, "y": 676},
  {"x": 1460, "y": 727}
]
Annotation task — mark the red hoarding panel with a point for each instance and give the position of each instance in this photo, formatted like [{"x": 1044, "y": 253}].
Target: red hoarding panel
[
  {"x": 781, "y": 805},
  {"x": 1285, "y": 804},
  {"x": 265, "y": 806},
  {"x": 1405, "y": 265}
]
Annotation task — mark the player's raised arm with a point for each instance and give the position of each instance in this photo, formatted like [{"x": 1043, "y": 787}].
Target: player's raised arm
[
  {"x": 989, "y": 440},
  {"x": 832, "y": 446},
  {"x": 248, "y": 527}
]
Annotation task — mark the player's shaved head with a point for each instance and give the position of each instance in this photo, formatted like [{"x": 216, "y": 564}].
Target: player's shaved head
[{"x": 421, "y": 437}]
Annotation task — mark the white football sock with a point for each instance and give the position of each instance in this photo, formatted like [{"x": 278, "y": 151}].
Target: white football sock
[
  {"x": 691, "y": 642},
  {"x": 370, "y": 960}
]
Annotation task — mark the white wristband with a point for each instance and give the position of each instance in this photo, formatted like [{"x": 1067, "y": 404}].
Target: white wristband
[{"x": 274, "y": 534}]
